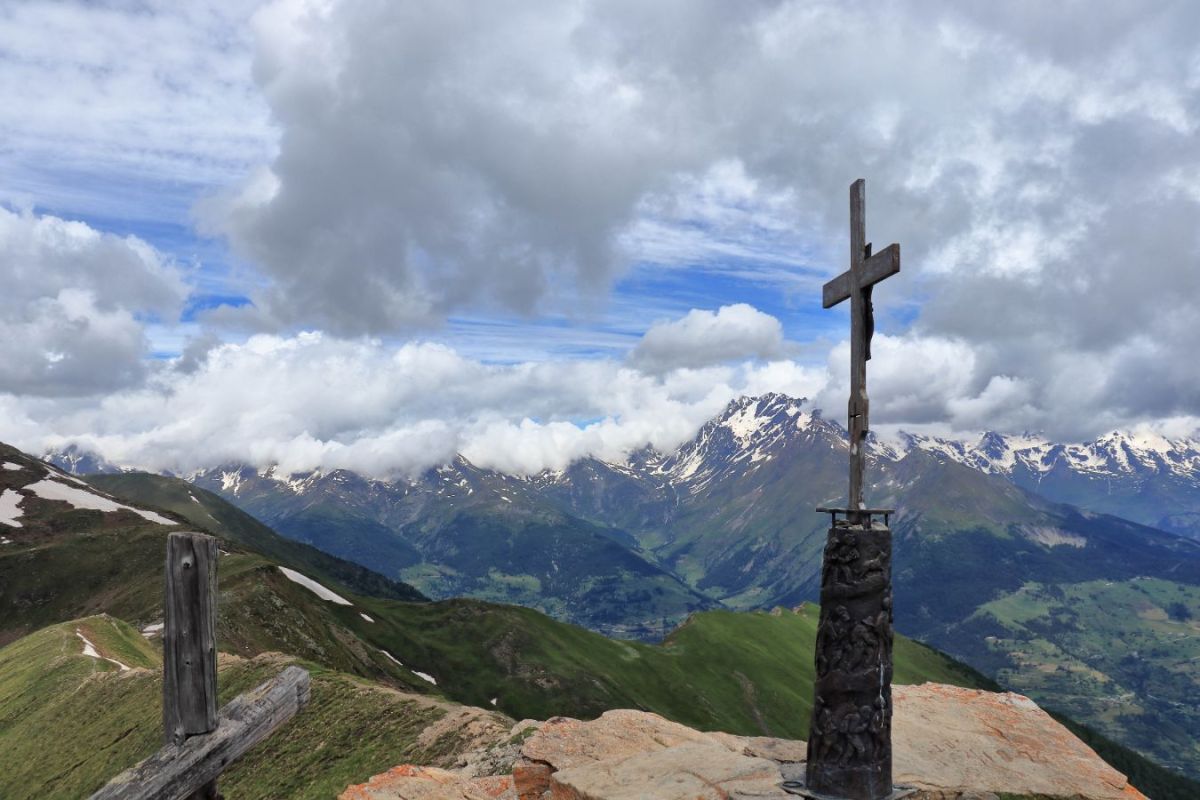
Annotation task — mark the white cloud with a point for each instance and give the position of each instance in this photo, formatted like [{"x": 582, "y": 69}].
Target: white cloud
[
  {"x": 312, "y": 400},
  {"x": 702, "y": 338},
  {"x": 73, "y": 305}
]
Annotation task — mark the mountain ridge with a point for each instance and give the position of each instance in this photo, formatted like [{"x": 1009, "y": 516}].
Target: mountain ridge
[{"x": 1143, "y": 476}]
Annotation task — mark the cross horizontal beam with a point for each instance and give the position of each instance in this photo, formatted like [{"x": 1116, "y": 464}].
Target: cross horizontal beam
[{"x": 882, "y": 265}]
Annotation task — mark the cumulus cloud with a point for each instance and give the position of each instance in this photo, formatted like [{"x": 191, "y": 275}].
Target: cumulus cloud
[
  {"x": 702, "y": 338},
  {"x": 74, "y": 303}
]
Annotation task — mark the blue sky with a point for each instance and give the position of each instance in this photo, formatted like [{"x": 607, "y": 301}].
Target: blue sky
[{"x": 604, "y": 217}]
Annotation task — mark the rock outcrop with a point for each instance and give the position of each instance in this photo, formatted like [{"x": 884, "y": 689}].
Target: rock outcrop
[
  {"x": 950, "y": 740},
  {"x": 949, "y": 743}
]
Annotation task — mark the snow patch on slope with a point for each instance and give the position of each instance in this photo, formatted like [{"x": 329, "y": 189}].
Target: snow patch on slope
[
  {"x": 745, "y": 423},
  {"x": 80, "y": 498},
  {"x": 422, "y": 675},
  {"x": 231, "y": 481},
  {"x": 10, "y": 507},
  {"x": 89, "y": 649},
  {"x": 314, "y": 587}
]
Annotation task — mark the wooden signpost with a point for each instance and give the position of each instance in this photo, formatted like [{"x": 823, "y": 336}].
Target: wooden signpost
[{"x": 201, "y": 743}]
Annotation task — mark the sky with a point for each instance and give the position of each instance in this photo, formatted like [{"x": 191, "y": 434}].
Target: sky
[{"x": 373, "y": 234}]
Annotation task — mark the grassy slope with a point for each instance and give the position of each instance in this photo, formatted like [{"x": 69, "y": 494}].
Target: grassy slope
[
  {"x": 69, "y": 723},
  {"x": 745, "y": 673},
  {"x": 211, "y": 513},
  {"x": 68, "y": 563},
  {"x": 532, "y": 665}
]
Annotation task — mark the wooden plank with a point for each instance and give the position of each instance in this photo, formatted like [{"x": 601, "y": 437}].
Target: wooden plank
[
  {"x": 189, "y": 637},
  {"x": 178, "y": 772},
  {"x": 835, "y": 291},
  {"x": 883, "y": 264}
]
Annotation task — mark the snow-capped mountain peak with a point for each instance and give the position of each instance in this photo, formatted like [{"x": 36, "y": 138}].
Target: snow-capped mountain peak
[
  {"x": 749, "y": 432},
  {"x": 1032, "y": 454}
]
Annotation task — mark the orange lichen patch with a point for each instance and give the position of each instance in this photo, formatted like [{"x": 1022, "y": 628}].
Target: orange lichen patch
[
  {"x": 387, "y": 783},
  {"x": 411, "y": 782},
  {"x": 497, "y": 786}
]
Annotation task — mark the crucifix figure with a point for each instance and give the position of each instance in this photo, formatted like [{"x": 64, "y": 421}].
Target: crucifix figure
[
  {"x": 850, "y": 736},
  {"x": 856, "y": 284}
]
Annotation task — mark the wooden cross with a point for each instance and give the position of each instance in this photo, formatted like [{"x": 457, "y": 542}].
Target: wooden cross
[
  {"x": 856, "y": 283},
  {"x": 200, "y": 742}
]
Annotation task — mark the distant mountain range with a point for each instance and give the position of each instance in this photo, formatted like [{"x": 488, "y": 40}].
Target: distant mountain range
[{"x": 1007, "y": 552}]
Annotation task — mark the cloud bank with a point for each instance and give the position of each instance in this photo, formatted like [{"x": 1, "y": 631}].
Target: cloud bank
[
  {"x": 703, "y": 338},
  {"x": 311, "y": 400}
]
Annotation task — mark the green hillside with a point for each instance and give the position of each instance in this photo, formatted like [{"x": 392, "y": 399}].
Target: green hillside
[
  {"x": 742, "y": 672},
  {"x": 70, "y": 722},
  {"x": 721, "y": 670}
]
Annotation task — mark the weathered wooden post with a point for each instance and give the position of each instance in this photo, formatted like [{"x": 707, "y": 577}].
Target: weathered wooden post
[{"x": 190, "y": 642}]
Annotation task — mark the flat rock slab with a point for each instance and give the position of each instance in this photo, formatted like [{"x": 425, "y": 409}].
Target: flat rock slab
[
  {"x": 684, "y": 772},
  {"x": 966, "y": 741},
  {"x": 949, "y": 743},
  {"x": 562, "y": 742}
]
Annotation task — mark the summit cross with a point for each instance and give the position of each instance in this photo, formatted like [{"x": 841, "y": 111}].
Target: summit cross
[{"x": 856, "y": 284}]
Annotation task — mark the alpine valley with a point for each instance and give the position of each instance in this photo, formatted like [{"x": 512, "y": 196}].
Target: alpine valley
[
  {"x": 1068, "y": 572},
  {"x": 395, "y": 678}
]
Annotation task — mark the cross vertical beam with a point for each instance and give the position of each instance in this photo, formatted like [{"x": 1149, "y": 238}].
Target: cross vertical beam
[{"x": 857, "y": 414}]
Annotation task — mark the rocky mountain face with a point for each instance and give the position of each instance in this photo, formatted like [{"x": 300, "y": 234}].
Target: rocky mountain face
[{"x": 460, "y": 530}]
